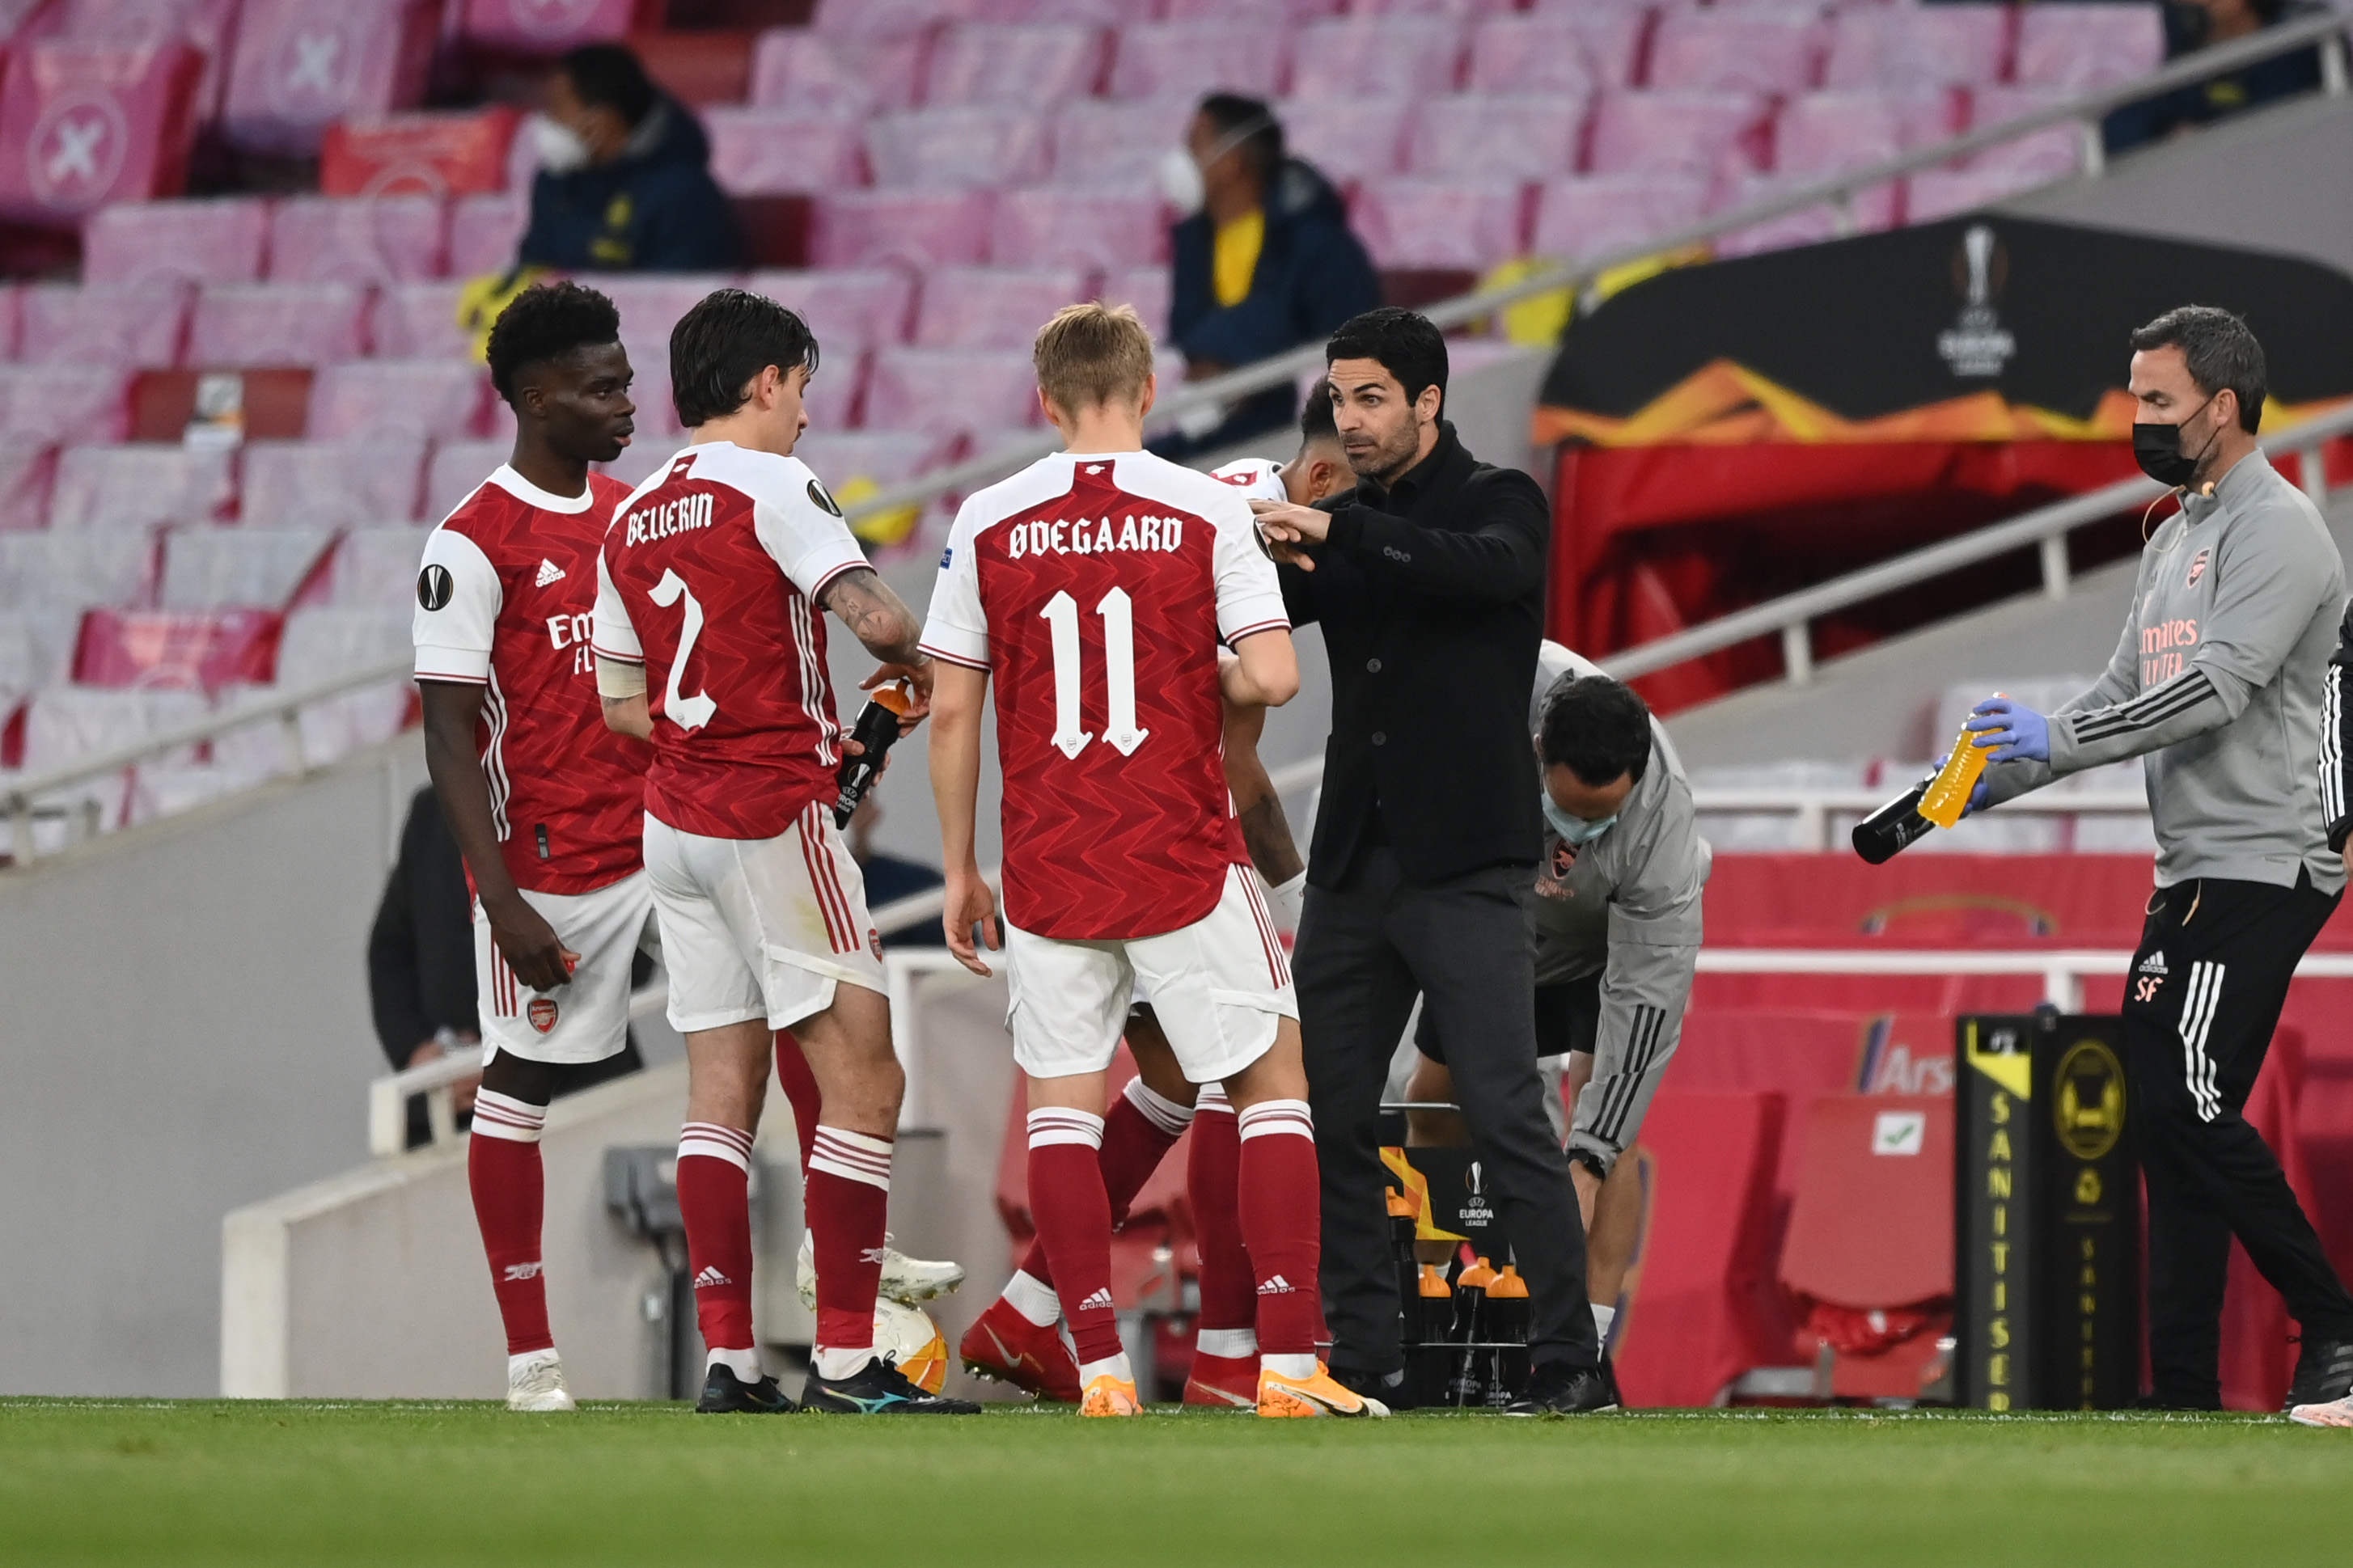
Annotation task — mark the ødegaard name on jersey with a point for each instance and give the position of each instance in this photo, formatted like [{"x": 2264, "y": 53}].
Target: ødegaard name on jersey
[
  {"x": 1081, "y": 536},
  {"x": 680, "y": 516}
]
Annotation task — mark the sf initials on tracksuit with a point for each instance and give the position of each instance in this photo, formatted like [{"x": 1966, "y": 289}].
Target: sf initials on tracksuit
[{"x": 2224, "y": 686}]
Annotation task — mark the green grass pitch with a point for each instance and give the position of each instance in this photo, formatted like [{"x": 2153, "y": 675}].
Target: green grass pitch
[{"x": 205, "y": 1482}]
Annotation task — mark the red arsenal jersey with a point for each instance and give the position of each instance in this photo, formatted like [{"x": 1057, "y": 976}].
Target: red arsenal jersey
[
  {"x": 1095, "y": 591},
  {"x": 505, "y": 601},
  {"x": 712, "y": 573}
]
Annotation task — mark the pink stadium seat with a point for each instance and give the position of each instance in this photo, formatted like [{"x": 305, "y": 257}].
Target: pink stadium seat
[
  {"x": 906, "y": 228},
  {"x": 1114, "y": 145},
  {"x": 85, "y": 124},
  {"x": 458, "y": 466},
  {"x": 1677, "y": 133},
  {"x": 244, "y": 324},
  {"x": 420, "y": 320},
  {"x": 1595, "y": 214},
  {"x": 141, "y": 485},
  {"x": 650, "y": 304},
  {"x": 1095, "y": 230},
  {"x": 139, "y": 324},
  {"x": 881, "y": 456},
  {"x": 300, "y": 66},
  {"x": 1188, "y": 59},
  {"x": 887, "y": 18},
  {"x": 1768, "y": 51},
  {"x": 52, "y": 571},
  {"x": 1098, "y": 13},
  {"x": 1014, "y": 62},
  {"x": 1407, "y": 56},
  {"x": 793, "y": 67},
  {"x": 358, "y": 239},
  {"x": 1874, "y": 209},
  {"x": 858, "y": 307},
  {"x": 993, "y": 306},
  {"x": 1285, "y": 11},
  {"x": 333, "y": 484},
  {"x": 1451, "y": 223},
  {"x": 28, "y": 467},
  {"x": 1615, "y": 33},
  {"x": 1524, "y": 136},
  {"x": 2079, "y": 46},
  {"x": 216, "y": 568},
  {"x": 1539, "y": 53},
  {"x": 979, "y": 145},
  {"x": 657, "y": 410},
  {"x": 323, "y": 642},
  {"x": 2054, "y": 153},
  {"x": 375, "y": 568},
  {"x": 67, "y": 723},
  {"x": 446, "y": 399},
  {"x": 947, "y": 391},
  {"x": 1901, "y": 46},
  {"x": 66, "y": 401},
  {"x": 550, "y": 26},
  {"x": 1828, "y": 133},
  {"x": 1349, "y": 139},
  {"x": 770, "y": 151},
  {"x": 1146, "y": 289},
  {"x": 1934, "y": 194},
  {"x": 11, "y": 317},
  {"x": 836, "y": 391},
  {"x": 217, "y": 241},
  {"x": 484, "y": 232},
  {"x": 205, "y": 26},
  {"x": 1463, "y": 10}
]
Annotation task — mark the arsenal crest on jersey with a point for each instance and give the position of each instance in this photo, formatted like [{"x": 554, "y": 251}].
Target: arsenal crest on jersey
[
  {"x": 2198, "y": 567},
  {"x": 1564, "y": 859}
]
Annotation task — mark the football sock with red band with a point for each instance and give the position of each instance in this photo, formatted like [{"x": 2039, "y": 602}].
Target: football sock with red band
[
  {"x": 848, "y": 1196},
  {"x": 1212, "y": 1176},
  {"x": 502, "y": 1169},
  {"x": 714, "y": 1178},
  {"x": 1282, "y": 1212},
  {"x": 1073, "y": 1218},
  {"x": 800, "y": 1090},
  {"x": 1141, "y": 1127}
]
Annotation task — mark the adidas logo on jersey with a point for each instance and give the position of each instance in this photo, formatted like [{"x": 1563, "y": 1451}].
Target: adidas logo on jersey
[
  {"x": 523, "y": 1270},
  {"x": 1278, "y": 1286},
  {"x": 1099, "y": 1300},
  {"x": 710, "y": 1277},
  {"x": 2154, "y": 964},
  {"x": 549, "y": 571}
]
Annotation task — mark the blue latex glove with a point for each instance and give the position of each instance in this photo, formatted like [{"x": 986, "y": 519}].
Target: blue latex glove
[{"x": 2008, "y": 731}]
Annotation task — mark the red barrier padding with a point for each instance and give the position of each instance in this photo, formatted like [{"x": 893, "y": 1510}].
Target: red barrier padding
[
  {"x": 1872, "y": 1223},
  {"x": 85, "y": 124},
  {"x": 459, "y": 154}
]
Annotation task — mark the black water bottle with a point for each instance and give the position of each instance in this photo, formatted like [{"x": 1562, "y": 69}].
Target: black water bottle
[
  {"x": 1886, "y": 833},
  {"x": 876, "y": 728}
]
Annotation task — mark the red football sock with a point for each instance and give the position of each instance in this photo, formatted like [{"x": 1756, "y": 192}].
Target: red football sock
[
  {"x": 801, "y": 1090},
  {"x": 1212, "y": 1177},
  {"x": 1136, "y": 1136},
  {"x": 503, "y": 1168},
  {"x": 1073, "y": 1218},
  {"x": 1281, "y": 1217},
  {"x": 714, "y": 1179},
  {"x": 848, "y": 1195}
]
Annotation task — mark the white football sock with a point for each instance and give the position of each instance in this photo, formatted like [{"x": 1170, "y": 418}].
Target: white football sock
[
  {"x": 1033, "y": 1298},
  {"x": 1231, "y": 1344},
  {"x": 832, "y": 1364},
  {"x": 1111, "y": 1366},
  {"x": 1298, "y": 1368},
  {"x": 1602, "y": 1318},
  {"x": 744, "y": 1363}
]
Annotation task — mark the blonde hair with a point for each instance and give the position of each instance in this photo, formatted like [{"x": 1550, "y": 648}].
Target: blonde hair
[{"x": 1093, "y": 354}]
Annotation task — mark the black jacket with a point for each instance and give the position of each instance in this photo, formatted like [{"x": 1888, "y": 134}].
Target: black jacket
[
  {"x": 653, "y": 209},
  {"x": 421, "y": 950},
  {"x": 1432, "y": 599}
]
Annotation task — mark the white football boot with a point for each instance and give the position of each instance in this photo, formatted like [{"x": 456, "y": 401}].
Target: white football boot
[
  {"x": 2335, "y": 1412},
  {"x": 905, "y": 1279},
  {"x": 535, "y": 1382}
]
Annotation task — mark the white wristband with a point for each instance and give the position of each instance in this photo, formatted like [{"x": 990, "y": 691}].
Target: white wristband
[
  {"x": 619, "y": 679},
  {"x": 1288, "y": 901}
]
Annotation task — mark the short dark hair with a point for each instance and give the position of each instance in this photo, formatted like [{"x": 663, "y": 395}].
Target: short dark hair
[
  {"x": 1232, "y": 113},
  {"x": 1596, "y": 728},
  {"x": 1399, "y": 341},
  {"x": 2219, "y": 352},
  {"x": 729, "y": 337},
  {"x": 1317, "y": 420},
  {"x": 545, "y": 323},
  {"x": 612, "y": 75}
]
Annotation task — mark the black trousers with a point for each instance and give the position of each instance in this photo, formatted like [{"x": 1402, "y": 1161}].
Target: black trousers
[
  {"x": 2200, "y": 1003},
  {"x": 1364, "y": 950}
]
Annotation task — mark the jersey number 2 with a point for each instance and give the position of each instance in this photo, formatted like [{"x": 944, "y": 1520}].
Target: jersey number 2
[
  {"x": 1118, "y": 612},
  {"x": 687, "y": 713}
]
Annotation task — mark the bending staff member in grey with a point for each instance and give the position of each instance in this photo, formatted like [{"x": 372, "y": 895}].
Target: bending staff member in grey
[
  {"x": 2216, "y": 685},
  {"x": 1617, "y": 924}
]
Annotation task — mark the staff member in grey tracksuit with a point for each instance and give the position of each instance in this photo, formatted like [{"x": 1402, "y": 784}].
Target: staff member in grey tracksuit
[{"x": 2218, "y": 685}]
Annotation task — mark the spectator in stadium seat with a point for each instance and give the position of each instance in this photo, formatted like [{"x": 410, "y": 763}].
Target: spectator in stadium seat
[
  {"x": 625, "y": 183},
  {"x": 2194, "y": 25},
  {"x": 1263, "y": 261}
]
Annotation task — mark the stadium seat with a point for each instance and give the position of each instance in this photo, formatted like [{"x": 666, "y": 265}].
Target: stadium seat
[
  {"x": 1014, "y": 62},
  {"x": 241, "y": 324},
  {"x": 853, "y": 307},
  {"x": 445, "y": 399},
  {"x": 887, "y": 18},
  {"x": 104, "y": 324},
  {"x": 1524, "y": 136},
  {"x": 141, "y": 485},
  {"x": 915, "y": 229},
  {"x": 85, "y": 124},
  {"x": 651, "y": 303},
  {"x": 993, "y": 306},
  {"x": 458, "y": 466},
  {"x": 66, "y": 723},
  {"x": 376, "y": 567},
  {"x": 986, "y": 145},
  {"x": 49, "y": 572},
  {"x": 1349, "y": 140},
  {"x": 1751, "y": 51},
  {"x": 1400, "y": 56},
  {"x": 1807, "y": 226},
  {"x": 2054, "y": 153},
  {"x": 1540, "y": 54},
  {"x": 484, "y": 232},
  {"x": 1098, "y": 230},
  {"x": 1463, "y": 224},
  {"x": 1934, "y": 194},
  {"x": 220, "y": 568},
  {"x": 300, "y": 66},
  {"x": 1287, "y": 11},
  {"x": 1904, "y": 46},
  {"x": 883, "y": 457},
  {"x": 1146, "y": 289},
  {"x": 794, "y": 67},
  {"x": 28, "y": 468},
  {"x": 1829, "y": 133},
  {"x": 2087, "y": 46},
  {"x": 441, "y": 154},
  {"x": 420, "y": 320},
  {"x": 834, "y": 396},
  {"x": 1678, "y": 132},
  {"x": 221, "y": 240},
  {"x": 328, "y": 641},
  {"x": 1186, "y": 59},
  {"x": 34, "y": 651},
  {"x": 538, "y": 27},
  {"x": 333, "y": 484},
  {"x": 766, "y": 151},
  {"x": 65, "y": 401},
  {"x": 1594, "y": 214},
  {"x": 1116, "y": 145},
  {"x": 359, "y": 240},
  {"x": 206, "y": 26},
  {"x": 948, "y": 392}
]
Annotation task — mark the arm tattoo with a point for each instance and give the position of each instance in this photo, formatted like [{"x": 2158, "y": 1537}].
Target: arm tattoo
[{"x": 875, "y": 614}]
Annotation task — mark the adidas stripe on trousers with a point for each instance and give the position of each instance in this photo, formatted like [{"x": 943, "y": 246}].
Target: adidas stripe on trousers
[{"x": 2201, "y": 1000}]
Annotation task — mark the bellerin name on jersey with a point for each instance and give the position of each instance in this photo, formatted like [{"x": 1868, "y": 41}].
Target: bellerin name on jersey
[
  {"x": 1080, "y": 537},
  {"x": 683, "y": 515}
]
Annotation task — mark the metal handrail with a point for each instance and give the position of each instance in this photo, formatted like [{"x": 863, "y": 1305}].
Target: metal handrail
[{"x": 1836, "y": 189}]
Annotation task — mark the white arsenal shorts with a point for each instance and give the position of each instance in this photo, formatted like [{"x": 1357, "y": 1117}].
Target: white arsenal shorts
[
  {"x": 1218, "y": 987},
  {"x": 760, "y": 928},
  {"x": 588, "y": 1019}
]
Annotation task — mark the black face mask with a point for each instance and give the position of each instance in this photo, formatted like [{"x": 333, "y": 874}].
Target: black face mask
[{"x": 2157, "y": 449}]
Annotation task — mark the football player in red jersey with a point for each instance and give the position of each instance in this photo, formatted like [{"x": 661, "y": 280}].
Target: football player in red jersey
[
  {"x": 545, "y": 803},
  {"x": 710, "y": 642},
  {"x": 1094, "y": 588}
]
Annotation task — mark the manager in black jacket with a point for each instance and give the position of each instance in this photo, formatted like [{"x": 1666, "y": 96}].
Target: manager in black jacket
[{"x": 1428, "y": 579}]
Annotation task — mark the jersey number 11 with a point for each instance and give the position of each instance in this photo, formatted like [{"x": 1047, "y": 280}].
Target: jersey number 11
[{"x": 1118, "y": 612}]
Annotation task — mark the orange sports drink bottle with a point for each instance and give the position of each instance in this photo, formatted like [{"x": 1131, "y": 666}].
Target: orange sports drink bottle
[{"x": 1948, "y": 792}]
